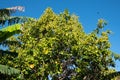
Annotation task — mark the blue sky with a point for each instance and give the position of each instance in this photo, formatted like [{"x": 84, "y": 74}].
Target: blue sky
[{"x": 89, "y": 11}]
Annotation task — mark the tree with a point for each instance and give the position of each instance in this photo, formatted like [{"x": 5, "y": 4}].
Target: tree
[
  {"x": 5, "y": 33},
  {"x": 56, "y": 45},
  {"x": 5, "y": 15}
]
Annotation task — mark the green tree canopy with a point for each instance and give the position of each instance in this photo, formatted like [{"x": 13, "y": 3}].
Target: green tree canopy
[{"x": 56, "y": 45}]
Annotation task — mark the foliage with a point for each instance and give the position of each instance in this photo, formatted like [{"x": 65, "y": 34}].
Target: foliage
[
  {"x": 55, "y": 45},
  {"x": 116, "y": 56},
  {"x": 5, "y": 15},
  {"x": 14, "y": 27},
  {"x": 5, "y": 33},
  {"x": 8, "y": 70},
  {"x": 9, "y": 31}
]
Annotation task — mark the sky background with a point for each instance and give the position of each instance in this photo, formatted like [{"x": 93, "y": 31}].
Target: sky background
[{"x": 89, "y": 11}]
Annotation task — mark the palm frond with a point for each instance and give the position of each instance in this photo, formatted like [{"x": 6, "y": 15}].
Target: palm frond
[
  {"x": 9, "y": 31},
  {"x": 4, "y": 69},
  {"x": 6, "y": 13},
  {"x": 112, "y": 75}
]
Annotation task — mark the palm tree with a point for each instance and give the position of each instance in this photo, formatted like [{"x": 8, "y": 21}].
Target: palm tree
[
  {"x": 5, "y": 33},
  {"x": 14, "y": 26}
]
